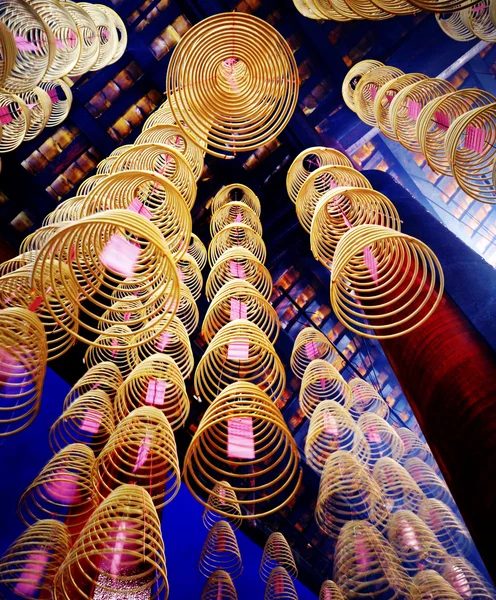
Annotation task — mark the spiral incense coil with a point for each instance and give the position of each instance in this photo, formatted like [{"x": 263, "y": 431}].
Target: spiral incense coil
[
  {"x": 343, "y": 208},
  {"x": 114, "y": 346},
  {"x": 372, "y": 11},
  {"x": 442, "y": 6},
  {"x": 232, "y": 301},
  {"x": 142, "y": 451},
  {"x": 107, "y": 34},
  {"x": 13, "y": 132},
  {"x": 224, "y": 497},
  {"x": 219, "y": 587},
  {"x": 28, "y": 567},
  {"x": 330, "y": 591},
  {"x": 429, "y": 584},
  {"x": 40, "y": 109},
  {"x": 365, "y": 399},
  {"x": 236, "y": 264},
  {"x": 61, "y": 97},
  {"x": 277, "y": 553},
  {"x": 161, "y": 159},
  {"x": 156, "y": 381},
  {"x": 470, "y": 146},
  {"x": 366, "y": 565},
  {"x": 82, "y": 245},
  {"x": 89, "y": 184},
  {"x": 8, "y": 51},
  {"x": 19, "y": 261},
  {"x": 280, "y": 586},
  {"x": 120, "y": 551},
  {"x": 428, "y": 481},
  {"x": 414, "y": 447},
  {"x": 104, "y": 377},
  {"x": 466, "y": 579},
  {"x": 89, "y": 420},
  {"x": 187, "y": 310},
  {"x": 23, "y": 357},
  {"x": 35, "y": 241},
  {"x": 399, "y": 488},
  {"x": 190, "y": 275},
  {"x": 481, "y": 19},
  {"x": 366, "y": 91},
  {"x": 311, "y": 344},
  {"x": 453, "y": 25},
  {"x": 220, "y": 552},
  {"x": 339, "y": 9},
  {"x": 384, "y": 282},
  {"x": 121, "y": 32},
  {"x": 309, "y": 161},
  {"x": 262, "y": 484},
  {"x": 105, "y": 165},
  {"x": 129, "y": 312},
  {"x": 315, "y": 9},
  {"x": 307, "y": 9},
  {"x": 232, "y": 213},
  {"x": 62, "y": 490},
  {"x": 382, "y": 438},
  {"x": 449, "y": 530},
  {"x": 197, "y": 251},
  {"x": 90, "y": 45},
  {"x": 236, "y": 192},
  {"x": 236, "y": 235},
  {"x": 396, "y": 7},
  {"x": 332, "y": 429},
  {"x": 322, "y": 181},
  {"x": 322, "y": 382},
  {"x": 353, "y": 77}
]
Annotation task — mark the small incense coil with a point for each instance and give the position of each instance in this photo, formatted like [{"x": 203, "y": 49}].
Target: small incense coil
[
  {"x": 311, "y": 344},
  {"x": 190, "y": 275},
  {"x": 396, "y": 7},
  {"x": 481, "y": 20},
  {"x": 88, "y": 184},
  {"x": 240, "y": 350},
  {"x": 398, "y": 486},
  {"x": 235, "y": 212},
  {"x": 113, "y": 346},
  {"x": 366, "y": 565},
  {"x": 365, "y": 399},
  {"x": 40, "y": 109},
  {"x": 449, "y": 530},
  {"x": 313, "y": 9},
  {"x": 332, "y": 429},
  {"x": 197, "y": 251},
  {"x": 280, "y": 586},
  {"x": 144, "y": 386},
  {"x": 23, "y": 357},
  {"x": 121, "y": 32},
  {"x": 353, "y": 77},
  {"x": 60, "y": 107},
  {"x": 35, "y": 241},
  {"x": 277, "y": 553},
  {"x": 343, "y": 208},
  {"x": 236, "y": 192},
  {"x": 309, "y": 161},
  {"x": 88, "y": 420},
  {"x": 307, "y": 9},
  {"x": 453, "y": 25},
  {"x": 372, "y": 11},
  {"x": 224, "y": 497},
  {"x": 366, "y": 92},
  {"x": 414, "y": 447},
  {"x": 107, "y": 34},
  {"x": 19, "y": 261},
  {"x": 466, "y": 579},
  {"x": 8, "y": 50},
  {"x": 429, "y": 584},
  {"x": 264, "y": 484},
  {"x": 428, "y": 481},
  {"x": 220, "y": 552},
  {"x": 68, "y": 210},
  {"x": 187, "y": 310},
  {"x": 119, "y": 551},
  {"x": 238, "y": 263},
  {"x": 104, "y": 166},
  {"x": 322, "y": 382},
  {"x": 219, "y": 587},
  {"x": 236, "y": 235},
  {"x": 473, "y": 169},
  {"x": 330, "y": 591},
  {"x": 90, "y": 45},
  {"x": 223, "y": 309},
  {"x": 29, "y": 565},
  {"x": 104, "y": 376},
  {"x": 13, "y": 132},
  {"x": 141, "y": 451},
  {"x": 128, "y": 312},
  {"x": 440, "y": 6},
  {"x": 62, "y": 490},
  {"x": 382, "y": 438}
]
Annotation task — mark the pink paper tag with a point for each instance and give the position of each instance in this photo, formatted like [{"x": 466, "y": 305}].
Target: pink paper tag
[
  {"x": 371, "y": 264},
  {"x": 390, "y": 97},
  {"x": 330, "y": 424},
  {"x": 323, "y": 383},
  {"x": 239, "y": 218},
  {"x": 32, "y": 574},
  {"x": 442, "y": 120},
  {"x": 64, "y": 488},
  {"x": 115, "y": 345},
  {"x": 414, "y": 109},
  {"x": 138, "y": 207},
  {"x": 155, "y": 394},
  {"x": 361, "y": 556},
  {"x": 311, "y": 350},
  {"x": 180, "y": 275},
  {"x": 120, "y": 255},
  {"x": 238, "y": 310},
  {"x": 373, "y": 434},
  {"x": 237, "y": 269},
  {"x": 222, "y": 493},
  {"x": 73, "y": 253},
  {"x": 91, "y": 421},
  {"x": 373, "y": 92},
  {"x": 240, "y": 442},
  {"x": 238, "y": 349},
  {"x": 5, "y": 115},
  {"x": 408, "y": 534},
  {"x": 279, "y": 585},
  {"x": 143, "y": 452},
  {"x": 97, "y": 385},
  {"x": 163, "y": 341},
  {"x": 121, "y": 543},
  {"x": 24, "y": 45},
  {"x": 54, "y": 97},
  {"x": 127, "y": 316},
  {"x": 475, "y": 139},
  {"x": 337, "y": 203},
  {"x": 479, "y": 7}
]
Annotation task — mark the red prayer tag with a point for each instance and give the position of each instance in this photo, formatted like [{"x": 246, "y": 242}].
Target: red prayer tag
[
  {"x": 373, "y": 92},
  {"x": 311, "y": 350},
  {"x": 279, "y": 584},
  {"x": 91, "y": 421},
  {"x": 371, "y": 263},
  {"x": 390, "y": 97},
  {"x": 236, "y": 269},
  {"x": 143, "y": 452},
  {"x": 414, "y": 109},
  {"x": 479, "y": 7},
  {"x": 120, "y": 255},
  {"x": 238, "y": 310},
  {"x": 238, "y": 349},
  {"x": 32, "y": 574},
  {"x": 36, "y": 303},
  {"x": 163, "y": 341},
  {"x": 475, "y": 139},
  {"x": 442, "y": 120},
  {"x": 240, "y": 442},
  {"x": 323, "y": 383}
]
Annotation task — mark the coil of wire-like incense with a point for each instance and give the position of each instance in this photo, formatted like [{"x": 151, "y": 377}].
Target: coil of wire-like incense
[
  {"x": 224, "y": 497},
  {"x": 322, "y": 382},
  {"x": 8, "y": 51},
  {"x": 311, "y": 344},
  {"x": 113, "y": 347},
  {"x": 366, "y": 91},
  {"x": 449, "y": 530},
  {"x": 428, "y": 481},
  {"x": 480, "y": 19},
  {"x": 190, "y": 275},
  {"x": 21, "y": 260},
  {"x": 382, "y": 438},
  {"x": 236, "y": 192},
  {"x": 455, "y": 26},
  {"x": 234, "y": 212},
  {"x": 60, "y": 106},
  {"x": 235, "y": 236},
  {"x": 330, "y": 591},
  {"x": 221, "y": 552},
  {"x": 429, "y": 584},
  {"x": 219, "y": 587},
  {"x": 352, "y": 78},
  {"x": 40, "y": 110},
  {"x": 280, "y": 586},
  {"x": 14, "y": 131},
  {"x": 90, "y": 43},
  {"x": 104, "y": 376},
  {"x": 399, "y": 488},
  {"x": 197, "y": 251},
  {"x": 466, "y": 579},
  {"x": 414, "y": 447},
  {"x": 107, "y": 34},
  {"x": 277, "y": 553},
  {"x": 365, "y": 399}
]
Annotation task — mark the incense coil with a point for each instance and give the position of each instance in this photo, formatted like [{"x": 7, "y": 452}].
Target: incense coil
[
  {"x": 440, "y": 6},
  {"x": 128, "y": 312},
  {"x": 306, "y": 8},
  {"x": 449, "y": 530},
  {"x": 161, "y": 159},
  {"x": 258, "y": 310},
  {"x": 88, "y": 420},
  {"x": 277, "y": 553},
  {"x": 280, "y": 586},
  {"x": 113, "y": 346},
  {"x": 332, "y": 429},
  {"x": 414, "y": 447},
  {"x": 453, "y": 25},
  {"x": 81, "y": 244},
  {"x": 382, "y": 438},
  {"x": 428, "y": 481},
  {"x": 343, "y": 208},
  {"x": 366, "y": 565},
  {"x": 136, "y": 390},
  {"x": 240, "y": 261},
  {"x": 337, "y": 11},
  {"x": 40, "y": 109},
  {"x": 90, "y": 46},
  {"x": 262, "y": 485},
  {"x": 232, "y": 99},
  {"x": 62, "y": 490},
  {"x": 352, "y": 78},
  {"x": 311, "y": 344},
  {"x": 307, "y": 162},
  {"x": 104, "y": 376},
  {"x": 472, "y": 170},
  {"x": 234, "y": 212},
  {"x": 236, "y": 192},
  {"x": 219, "y": 587},
  {"x": 481, "y": 19},
  {"x": 119, "y": 550},
  {"x": 372, "y": 11},
  {"x": 396, "y": 7},
  {"x": 323, "y": 181},
  {"x": 429, "y": 584},
  {"x": 398, "y": 486},
  {"x": 466, "y": 579},
  {"x": 8, "y": 51},
  {"x": 235, "y": 236},
  {"x": 107, "y": 34},
  {"x": 105, "y": 165},
  {"x": 322, "y": 382},
  {"x": 369, "y": 304},
  {"x": 197, "y": 251},
  {"x": 224, "y": 497},
  {"x": 29, "y": 565},
  {"x": 187, "y": 310},
  {"x": 142, "y": 451},
  {"x": 321, "y": 10},
  {"x": 88, "y": 184},
  {"x": 35, "y": 241},
  {"x": 220, "y": 365},
  {"x": 60, "y": 108},
  {"x": 368, "y": 86},
  {"x": 17, "y": 262},
  {"x": 365, "y": 399},
  {"x": 220, "y": 552},
  {"x": 330, "y": 591},
  {"x": 121, "y": 32},
  {"x": 12, "y": 133},
  {"x": 190, "y": 274}
]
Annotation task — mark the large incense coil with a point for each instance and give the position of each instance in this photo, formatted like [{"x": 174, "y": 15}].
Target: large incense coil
[
  {"x": 348, "y": 492},
  {"x": 322, "y": 382},
  {"x": 119, "y": 550},
  {"x": 428, "y": 481},
  {"x": 473, "y": 170},
  {"x": 280, "y": 586},
  {"x": 219, "y": 587},
  {"x": 332, "y": 429},
  {"x": 398, "y": 486},
  {"x": 235, "y": 236},
  {"x": 341, "y": 8},
  {"x": 220, "y": 552},
  {"x": 307, "y": 162},
  {"x": 129, "y": 312},
  {"x": 40, "y": 109},
  {"x": 121, "y": 32},
  {"x": 90, "y": 45},
  {"x": 236, "y": 192},
  {"x": 382, "y": 438},
  {"x": 238, "y": 263},
  {"x": 23, "y": 357},
  {"x": 29, "y": 565},
  {"x": 161, "y": 159},
  {"x": 481, "y": 19},
  {"x": 366, "y": 90},
  {"x": 414, "y": 447},
  {"x": 142, "y": 451},
  {"x": 396, "y": 7},
  {"x": 277, "y": 553},
  {"x": 88, "y": 420},
  {"x": 399, "y": 297},
  {"x": 114, "y": 346},
  {"x": 17, "y": 262},
  {"x": 88, "y": 184},
  {"x": 311, "y": 344},
  {"x": 341, "y": 209},
  {"x": 8, "y": 51},
  {"x": 466, "y": 579},
  {"x": 223, "y": 309},
  {"x": 62, "y": 490},
  {"x": 197, "y": 251},
  {"x": 366, "y": 399},
  {"x": 352, "y": 78},
  {"x": 372, "y": 11},
  {"x": 234, "y": 212},
  {"x": 107, "y": 34},
  {"x": 60, "y": 108},
  {"x": 190, "y": 275},
  {"x": 80, "y": 245},
  {"x": 453, "y": 25},
  {"x": 429, "y": 584},
  {"x": 224, "y": 497},
  {"x": 12, "y": 133},
  {"x": 330, "y": 591},
  {"x": 255, "y": 361},
  {"x": 264, "y": 484},
  {"x": 139, "y": 387},
  {"x": 104, "y": 376},
  {"x": 366, "y": 566},
  {"x": 449, "y": 530}
]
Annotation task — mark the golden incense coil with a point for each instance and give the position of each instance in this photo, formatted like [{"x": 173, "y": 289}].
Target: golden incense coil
[
  {"x": 197, "y": 251},
  {"x": 222, "y": 497},
  {"x": 8, "y": 50},
  {"x": 414, "y": 447},
  {"x": 90, "y": 45},
  {"x": 121, "y": 32},
  {"x": 113, "y": 347},
  {"x": 62, "y": 105},
  {"x": 429, "y": 584},
  {"x": 382, "y": 438},
  {"x": 466, "y": 579},
  {"x": 236, "y": 192},
  {"x": 365, "y": 399},
  {"x": 190, "y": 274},
  {"x": 428, "y": 481},
  {"x": 277, "y": 553},
  {"x": 352, "y": 78},
  {"x": 330, "y": 591},
  {"x": 234, "y": 212},
  {"x": 449, "y": 530},
  {"x": 399, "y": 488},
  {"x": 221, "y": 552},
  {"x": 40, "y": 109},
  {"x": 366, "y": 91},
  {"x": 453, "y": 25},
  {"x": 14, "y": 131},
  {"x": 104, "y": 377},
  {"x": 280, "y": 586},
  {"x": 107, "y": 34},
  {"x": 235, "y": 236},
  {"x": 219, "y": 587},
  {"x": 481, "y": 20},
  {"x": 310, "y": 344},
  {"x": 322, "y": 382}
]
